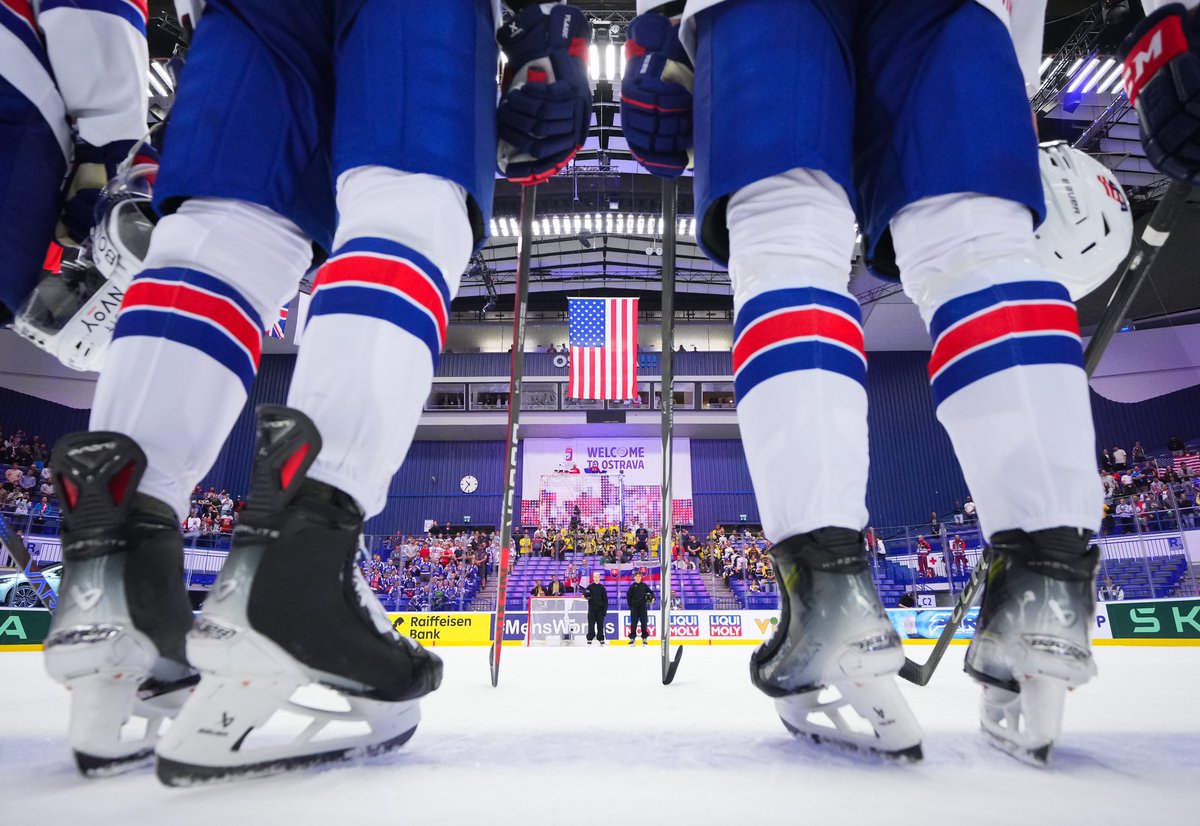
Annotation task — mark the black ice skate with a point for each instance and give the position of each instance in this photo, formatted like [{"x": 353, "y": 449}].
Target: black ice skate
[
  {"x": 117, "y": 637},
  {"x": 1031, "y": 640},
  {"x": 831, "y": 663},
  {"x": 299, "y": 663}
]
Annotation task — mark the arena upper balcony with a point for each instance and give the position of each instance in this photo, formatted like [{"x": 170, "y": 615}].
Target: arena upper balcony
[{"x": 470, "y": 392}]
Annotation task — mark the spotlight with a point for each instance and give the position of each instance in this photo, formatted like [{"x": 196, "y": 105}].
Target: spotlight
[{"x": 1115, "y": 11}]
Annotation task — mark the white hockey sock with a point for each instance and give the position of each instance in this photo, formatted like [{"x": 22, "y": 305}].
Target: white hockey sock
[
  {"x": 798, "y": 357},
  {"x": 1007, "y": 365},
  {"x": 188, "y": 339},
  {"x": 377, "y": 323}
]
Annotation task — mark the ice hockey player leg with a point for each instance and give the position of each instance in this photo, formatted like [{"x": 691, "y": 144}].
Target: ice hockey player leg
[
  {"x": 1026, "y": 372},
  {"x": 259, "y": 708},
  {"x": 117, "y": 636}
]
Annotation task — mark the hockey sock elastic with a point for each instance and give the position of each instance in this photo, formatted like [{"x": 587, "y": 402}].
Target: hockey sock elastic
[
  {"x": 377, "y": 323},
  {"x": 187, "y": 342},
  {"x": 798, "y": 358},
  {"x": 1007, "y": 364}
]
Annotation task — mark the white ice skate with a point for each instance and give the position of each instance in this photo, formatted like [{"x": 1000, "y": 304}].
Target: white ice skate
[
  {"x": 1031, "y": 641},
  {"x": 831, "y": 665},
  {"x": 117, "y": 638},
  {"x": 278, "y": 691},
  {"x": 258, "y": 711}
]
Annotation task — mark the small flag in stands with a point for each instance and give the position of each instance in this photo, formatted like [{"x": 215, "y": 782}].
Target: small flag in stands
[
  {"x": 603, "y": 339},
  {"x": 276, "y": 330}
]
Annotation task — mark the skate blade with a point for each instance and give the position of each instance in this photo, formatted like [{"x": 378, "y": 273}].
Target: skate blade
[
  {"x": 1024, "y": 724},
  {"x": 911, "y": 754},
  {"x": 95, "y": 767},
  {"x": 1036, "y": 756},
  {"x": 178, "y": 774},
  {"x": 117, "y": 717},
  {"x": 227, "y": 730},
  {"x": 894, "y": 732}
]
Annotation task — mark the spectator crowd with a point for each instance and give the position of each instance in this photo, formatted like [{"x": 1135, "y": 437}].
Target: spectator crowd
[
  {"x": 434, "y": 572},
  {"x": 28, "y": 487},
  {"x": 212, "y": 513},
  {"x": 1142, "y": 492}
]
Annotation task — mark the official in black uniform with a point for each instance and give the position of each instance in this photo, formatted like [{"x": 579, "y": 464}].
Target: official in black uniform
[
  {"x": 597, "y": 599},
  {"x": 639, "y": 597}
]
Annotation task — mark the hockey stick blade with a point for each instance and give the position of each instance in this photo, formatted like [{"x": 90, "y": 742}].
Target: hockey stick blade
[
  {"x": 1136, "y": 269},
  {"x": 920, "y": 673},
  {"x": 670, "y": 668}
]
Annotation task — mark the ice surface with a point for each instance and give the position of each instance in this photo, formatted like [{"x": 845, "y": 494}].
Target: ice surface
[{"x": 589, "y": 735}]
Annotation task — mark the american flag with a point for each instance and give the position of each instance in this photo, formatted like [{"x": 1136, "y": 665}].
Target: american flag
[
  {"x": 603, "y": 338},
  {"x": 276, "y": 329}
]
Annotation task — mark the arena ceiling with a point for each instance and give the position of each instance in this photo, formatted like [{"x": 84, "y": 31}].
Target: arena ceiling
[{"x": 598, "y": 231}]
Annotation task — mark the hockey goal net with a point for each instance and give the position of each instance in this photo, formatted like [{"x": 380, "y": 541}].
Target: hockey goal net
[{"x": 557, "y": 621}]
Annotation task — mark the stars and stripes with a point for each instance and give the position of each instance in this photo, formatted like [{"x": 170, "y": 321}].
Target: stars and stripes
[
  {"x": 803, "y": 328},
  {"x": 198, "y": 311},
  {"x": 276, "y": 330},
  {"x": 132, "y": 11},
  {"x": 603, "y": 341},
  {"x": 1003, "y": 326},
  {"x": 382, "y": 279}
]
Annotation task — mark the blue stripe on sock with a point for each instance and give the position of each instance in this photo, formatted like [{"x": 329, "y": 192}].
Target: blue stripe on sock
[
  {"x": 191, "y": 332},
  {"x": 380, "y": 304},
  {"x": 1012, "y": 352},
  {"x": 803, "y": 355}
]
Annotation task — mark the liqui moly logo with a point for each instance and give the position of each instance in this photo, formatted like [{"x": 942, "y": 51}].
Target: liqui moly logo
[
  {"x": 724, "y": 626},
  {"x": 651, "y": 626},
  {"x": 685, "y": 625}
]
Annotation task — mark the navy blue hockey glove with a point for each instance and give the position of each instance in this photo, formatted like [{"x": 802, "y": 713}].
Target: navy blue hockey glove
[
  {"x": 1162, "y": 80},
  {"x": 656, "y": 96},
  {"x": 545, "y": 100},
  {"x": 91, "y": 170}
]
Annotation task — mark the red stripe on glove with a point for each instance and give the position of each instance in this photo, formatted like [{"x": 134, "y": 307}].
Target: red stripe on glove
[{"x": 1158, "y": 47}]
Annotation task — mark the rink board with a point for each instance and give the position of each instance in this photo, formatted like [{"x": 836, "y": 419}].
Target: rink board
[{"x": 1165, "y": 622}]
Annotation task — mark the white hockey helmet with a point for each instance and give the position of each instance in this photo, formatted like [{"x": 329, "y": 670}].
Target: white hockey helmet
[
  {"x": 1088, "y": 227},
  {"x": 71, "y": 314}
]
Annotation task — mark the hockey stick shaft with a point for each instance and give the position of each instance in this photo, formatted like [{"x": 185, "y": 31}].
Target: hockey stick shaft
[
  {"x": 1137, "y": 268},
  {"x": 12, "y": 541},
  {"x": 521, "y": 302},
  {"x": 668, "y": 420},
  {"x": 15, "y": 545}
]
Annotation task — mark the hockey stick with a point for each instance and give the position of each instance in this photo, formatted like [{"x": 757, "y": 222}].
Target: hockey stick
[
  {"x": 12, "y": 542},
  {"x": 1154, "y": 236},
  {"x": 920, "y": 673},
  {"x": 1137, "y": 267},
  {"x": 669, "y": 665},
  {"x": 521, "y": 302}
]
